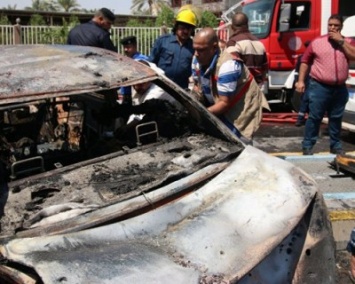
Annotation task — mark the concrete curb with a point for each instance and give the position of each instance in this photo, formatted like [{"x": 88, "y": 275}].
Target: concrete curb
[
  {"x": 341, "y": 205},
  {"x": 341, "y": 208}
]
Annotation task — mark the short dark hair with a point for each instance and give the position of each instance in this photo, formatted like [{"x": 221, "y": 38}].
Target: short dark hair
[
  {"x": 336, "y": 17},
  {"x": 106, "y": 13},
  {"x": 239, "y": 20},
  {"x": 174, "y": 29},
  {"x": 129, "y": 40}
]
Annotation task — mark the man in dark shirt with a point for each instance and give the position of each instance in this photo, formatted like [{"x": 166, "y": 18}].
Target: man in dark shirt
[
  {"x": 95, "y": 32},
  {"x": 173, "y": 52}
]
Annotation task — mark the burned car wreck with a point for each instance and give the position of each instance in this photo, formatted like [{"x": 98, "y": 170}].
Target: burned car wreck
[{"x": 183, "y": 201}]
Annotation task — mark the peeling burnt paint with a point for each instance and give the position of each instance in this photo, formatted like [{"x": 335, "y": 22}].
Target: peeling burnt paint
[{"x": 64, "y": 68}]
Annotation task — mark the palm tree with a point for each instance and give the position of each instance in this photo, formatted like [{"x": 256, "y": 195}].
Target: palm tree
[
  {"x": 9, "y": 7},
  {"x": 43, "y": 5},
  {"x": 68, "y": 5},
  {"x": 139, "y": 6}
]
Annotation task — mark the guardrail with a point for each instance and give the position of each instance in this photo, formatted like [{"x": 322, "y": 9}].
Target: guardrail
[{"x": 18, "y": 34}]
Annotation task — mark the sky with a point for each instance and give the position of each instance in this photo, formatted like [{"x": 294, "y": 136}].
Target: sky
[{"x": 117, "y": 6}]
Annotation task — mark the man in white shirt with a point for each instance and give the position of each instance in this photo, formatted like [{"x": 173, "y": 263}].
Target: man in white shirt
[
  {"x": 148, "y": 91},
  {"x": 149, "y": 102}
]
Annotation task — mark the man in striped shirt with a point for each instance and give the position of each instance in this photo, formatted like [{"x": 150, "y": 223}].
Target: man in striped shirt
[{"x": 229, "y": 91}]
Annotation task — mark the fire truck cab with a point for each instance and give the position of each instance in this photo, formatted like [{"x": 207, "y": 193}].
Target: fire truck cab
[{"x": 283, "y": 26}]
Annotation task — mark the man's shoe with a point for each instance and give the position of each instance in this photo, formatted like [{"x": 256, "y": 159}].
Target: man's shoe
[
  {"x": 337, "y": 151},
  {"x": 307, "y": 151}
]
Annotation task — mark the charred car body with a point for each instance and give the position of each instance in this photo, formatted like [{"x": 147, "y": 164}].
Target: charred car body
[{"x": 193, "y": 204}]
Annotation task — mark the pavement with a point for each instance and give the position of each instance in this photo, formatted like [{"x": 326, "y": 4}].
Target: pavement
[
  {"x": 338, "y": 189},
  {"x": 278, "y": 136}
]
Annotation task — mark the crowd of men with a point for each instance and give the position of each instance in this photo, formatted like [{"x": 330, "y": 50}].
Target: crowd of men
[
  {"x": 228, "y": 77},
  {"x": 194, "y": 61}
]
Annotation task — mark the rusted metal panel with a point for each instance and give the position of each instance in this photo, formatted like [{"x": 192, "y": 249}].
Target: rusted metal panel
[{"x": 43, "y": 71}]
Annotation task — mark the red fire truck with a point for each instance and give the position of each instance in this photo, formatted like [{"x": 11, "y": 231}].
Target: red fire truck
[{"x": 284, "y": 26}]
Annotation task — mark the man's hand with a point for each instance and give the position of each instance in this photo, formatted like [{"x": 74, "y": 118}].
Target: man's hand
[
  {"x": 222, "y": 106},
  {"x": 300, "y": 87},
  {"x": 336, "y": 36}
]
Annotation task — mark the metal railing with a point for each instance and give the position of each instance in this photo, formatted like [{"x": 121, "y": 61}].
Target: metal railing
[
  {"x": 58, "y": 35},
  {"x": 145, "y": 36},
  {"x": 7, "y": 35},
  {"x": 18, "y": 34}
]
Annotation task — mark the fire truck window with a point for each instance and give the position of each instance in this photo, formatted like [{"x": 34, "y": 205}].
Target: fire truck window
[{"x": 299, "y": 19}]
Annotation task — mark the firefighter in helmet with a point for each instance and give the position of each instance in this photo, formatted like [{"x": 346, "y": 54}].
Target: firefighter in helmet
[{"x": 173, "y": 52}]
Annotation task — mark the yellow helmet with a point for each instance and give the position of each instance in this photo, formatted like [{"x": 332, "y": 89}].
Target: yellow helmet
[{"x": 187, "y": 16}]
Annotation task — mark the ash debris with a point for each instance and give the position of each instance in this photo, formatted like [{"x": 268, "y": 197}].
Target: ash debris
[
  {"x": 178, "y": 149},
  {"x": 213, "y": 279}
]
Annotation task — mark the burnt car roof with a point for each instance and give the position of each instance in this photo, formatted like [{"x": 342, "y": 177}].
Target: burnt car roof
[
  {"x": 38, "y": 72},
  {"x": 35, "y": 71}
]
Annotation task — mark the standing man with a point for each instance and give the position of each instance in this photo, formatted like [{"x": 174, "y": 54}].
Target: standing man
[
  {"x": 229, "y": 90},
  {"x": 327, "y": 57},
  {"x": 95, "y": 32},
  {"x": 130, "y": 49},
  {"x": 249, "y": 48},
  {"x": 173, "y": 52}
]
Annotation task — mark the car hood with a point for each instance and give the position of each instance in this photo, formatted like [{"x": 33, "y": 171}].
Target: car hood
[{"x": 224, "y": 229}]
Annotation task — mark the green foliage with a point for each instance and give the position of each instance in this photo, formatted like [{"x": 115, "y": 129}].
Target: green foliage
[
  {"x": 166, "y": 16},
  {"x": 149, "y": 23},
  {"x": 4, "y": 20},
  {"x": 37, "y": 20},
  {"x": 147, "y": 36},
  {"x": 134, "y": 23},
  {"x": 148, "y": 7},
  {"x": 68, "y": 5},
  {"x": 137, "y": 23},
  {"x": 208, "y": 19},
  {"x": 43, "y": 5},
  {"x": 3, "y": 32},
  {"x": 73, "y": 21},
  {"x": 57, "y": 34}
]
